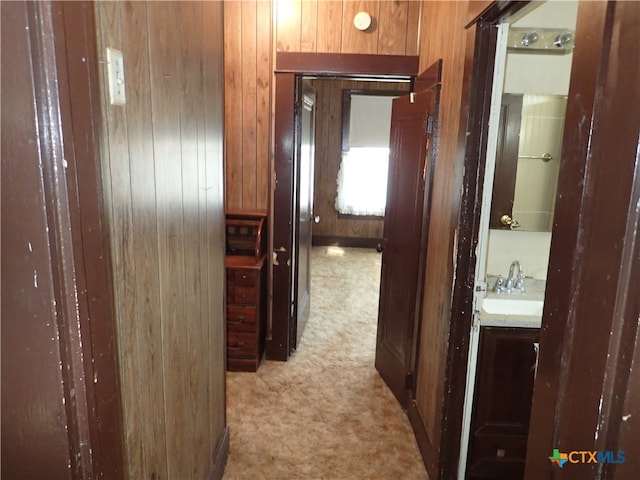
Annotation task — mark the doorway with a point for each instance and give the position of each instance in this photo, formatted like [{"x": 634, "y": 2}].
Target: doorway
[
  {"x": 351, "y": 166},
  {"x": 290, "y": 67},
  {"x": 524, "y": 153}
]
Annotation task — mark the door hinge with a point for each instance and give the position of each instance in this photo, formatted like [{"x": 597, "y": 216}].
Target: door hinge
[
  {"x": 479, "y": 292},
  {"x": 428, "y": 124},
  {"x": 408, "y": 380}
]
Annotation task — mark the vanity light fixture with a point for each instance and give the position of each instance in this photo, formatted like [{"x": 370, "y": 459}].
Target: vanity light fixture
[
  {"x": 541, "y": 40},
  {"x": 362, "y": 21}
]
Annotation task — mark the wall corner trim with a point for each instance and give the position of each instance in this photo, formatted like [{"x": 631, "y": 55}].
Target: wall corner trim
[{"x": 220, "y": 456}]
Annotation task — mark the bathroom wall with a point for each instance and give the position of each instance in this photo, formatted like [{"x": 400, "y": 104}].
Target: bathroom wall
[
  {"x": 542, "y": 124},
  {"x": 544, "y": 73},
  {"x": 531, "y": 249},
  {"x": 534, "y": 75}
]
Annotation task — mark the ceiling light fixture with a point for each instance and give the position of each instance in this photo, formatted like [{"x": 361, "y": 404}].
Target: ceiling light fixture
[
  {"x": 362, "y": 21},
  {"x": 541, "y": 40}
]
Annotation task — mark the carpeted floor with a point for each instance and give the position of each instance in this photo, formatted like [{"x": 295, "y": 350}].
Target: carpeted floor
[{"x": 326, "y": 413}]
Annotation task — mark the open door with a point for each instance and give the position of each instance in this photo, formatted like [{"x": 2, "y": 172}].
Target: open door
[
  {"x": 412, "y": 125},
  {"x": 305, "y": 152}
]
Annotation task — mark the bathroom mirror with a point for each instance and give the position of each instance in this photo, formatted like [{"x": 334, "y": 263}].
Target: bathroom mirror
[
  {"x": 531, "y": 123},
  {"x": 527, "y": 161}
]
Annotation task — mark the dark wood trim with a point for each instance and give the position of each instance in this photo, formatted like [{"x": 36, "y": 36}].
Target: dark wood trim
[
  {"x": 497, "y": 9},
  {"x": 427, "y": 451},
  {"x": 277, "y": 347},
  {"x": 591, "y": 306},
  {"x": 353, "y": 242},
  {"x": 346, "y": 112},
  {"x": 504, "y": 178},
  {"x": 348, "y": 216},
  {"x": 289, "y": 66},
  {"x": 474, "y": 111},
  {"x": 430, "y": 77},
  {"x": 220, "y": 457},
  {"x": 434, "y": 73},
  {"x": 348, "y": 64},
  {"x": 81, "y": 119},
  {"x": 77, "y": 234}
]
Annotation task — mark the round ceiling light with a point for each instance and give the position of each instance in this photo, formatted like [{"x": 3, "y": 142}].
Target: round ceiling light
[{"x": 362, "y": 21}]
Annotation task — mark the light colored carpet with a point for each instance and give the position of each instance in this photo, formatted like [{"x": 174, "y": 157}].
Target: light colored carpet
[{"x": 326, "y": 413}]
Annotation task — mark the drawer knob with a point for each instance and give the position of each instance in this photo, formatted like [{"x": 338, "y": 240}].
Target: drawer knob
[{"x": 244, "y": 276}]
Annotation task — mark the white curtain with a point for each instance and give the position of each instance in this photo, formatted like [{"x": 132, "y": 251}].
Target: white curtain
[{"x": 362, "y": 181}]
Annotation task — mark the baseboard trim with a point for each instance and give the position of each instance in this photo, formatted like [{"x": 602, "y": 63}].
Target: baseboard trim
[
  {"x": 352, "y": 242},
  {"x": 428, "y": 453},
  {"x": 220, "y": 457}
]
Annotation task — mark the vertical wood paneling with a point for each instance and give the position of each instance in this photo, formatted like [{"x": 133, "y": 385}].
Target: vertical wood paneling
[
  {"x": 392, "y": 27},
  {"x": 163, "y": 169},
  {"x": 196, "y": 374},
  {"x": 288, "y": 25},
  {"x": 308, "y": 25},
  {"x": 264, "y": 74},
  {"x": 413, "y": 27},
  {"x": 214, "y": 147},
  {"x": 300, "y": 25},
  {"x": 119, "y": 183},
  {"x": 356, "y": 41},
  {"x": 140, "y": 145},
  {"x": 249, "y": 57},
  {"x": 329, "y": 38},
  {"x": 443, "y": 36},
  {"x": 164, "y": 53},
  {"x": 233, "y": 103}
]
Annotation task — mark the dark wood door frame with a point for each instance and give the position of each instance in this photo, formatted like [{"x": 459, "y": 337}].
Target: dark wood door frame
[
  {"x": 564, "y": 280},
  {"x": 64, "y": 62},
  {"x": 289, "y": 66},
  {"x": 81, "y": 117}
]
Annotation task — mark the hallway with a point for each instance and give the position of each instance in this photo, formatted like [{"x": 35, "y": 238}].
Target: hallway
[{"x": 325, "y": 414}]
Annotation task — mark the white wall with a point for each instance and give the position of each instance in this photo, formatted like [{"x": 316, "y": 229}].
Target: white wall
[
  {"x": 533, "y": 74},
  {"x": 531, "y": 249},
  {"x": 544, "y": 74}
]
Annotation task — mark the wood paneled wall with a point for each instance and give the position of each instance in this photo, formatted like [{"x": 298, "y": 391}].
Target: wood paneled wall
[
  {"x": 443, "y": 36},
  {"x": 248, "y": 97},
  {"x": 163, "y": 179},
  {"x": 251, "y": 39},
  {"x": 327, "y": 158},
  {"x": 327, "y": 26}
]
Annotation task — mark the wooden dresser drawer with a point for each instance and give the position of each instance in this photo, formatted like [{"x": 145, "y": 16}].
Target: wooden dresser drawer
[
  {"x": 246, "y": 310},
  {"x": 242, "y": 295},
  {"x": 241, "y": 319},
  {"x": 242, "y": 277},
  {"x": 241, "y": 344}
]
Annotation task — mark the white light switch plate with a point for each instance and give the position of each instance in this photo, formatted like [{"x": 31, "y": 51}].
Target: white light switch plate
[{"x": 115, "y": 72}]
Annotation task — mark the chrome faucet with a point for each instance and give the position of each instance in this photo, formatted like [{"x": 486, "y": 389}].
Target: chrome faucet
[{"x": 515, "y": 283}]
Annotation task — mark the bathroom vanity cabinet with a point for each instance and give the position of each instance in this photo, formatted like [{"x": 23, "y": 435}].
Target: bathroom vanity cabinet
[{"x": 502, "y": 403}]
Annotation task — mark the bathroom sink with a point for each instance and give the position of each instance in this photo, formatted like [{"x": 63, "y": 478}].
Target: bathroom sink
[{"x": 512, "y": 305}]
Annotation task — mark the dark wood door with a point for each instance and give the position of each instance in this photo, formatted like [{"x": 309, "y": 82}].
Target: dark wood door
[
  {"x": 305, "y": 149},
  {"x": 412, "y": 119},
  {"x": 504, "y": 179},
  {"x": 502, "y": 403}
]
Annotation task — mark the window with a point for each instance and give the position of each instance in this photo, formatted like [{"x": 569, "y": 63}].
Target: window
[
  {"x": 362, "y": 177},
  {"x": 362, "y": 181}
]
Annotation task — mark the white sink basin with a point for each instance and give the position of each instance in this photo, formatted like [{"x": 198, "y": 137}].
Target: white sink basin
[{"x": 512, "y": 305}]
